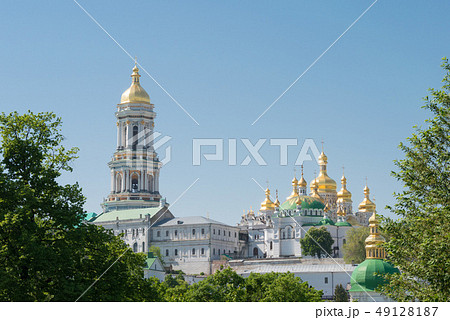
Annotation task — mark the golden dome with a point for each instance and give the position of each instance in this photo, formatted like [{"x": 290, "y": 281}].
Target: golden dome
[
  {"x": 374, "y": 240},
  {"x": 366, "y": 205},
  {"x": 135, "y": 93},
  {"x": 344, "y": 195},
  {"x": 294, "y": 193},
  {"x": 267, "y": 204},
  {"x": 323, "y": 181},
  {"x": 340, "y": 211}
]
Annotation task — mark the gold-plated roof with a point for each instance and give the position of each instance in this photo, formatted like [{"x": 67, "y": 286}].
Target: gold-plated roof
[
  {"x": 135, "y": 93},
  {"x": 344, "y": 195},
  {"x": 267, "y": 204},
  {"x": 294, "y": 193},
  {"x": 374, "y": 240},
  {"x": 324, "y": 182},
  {"x": 366, "y": 205}
]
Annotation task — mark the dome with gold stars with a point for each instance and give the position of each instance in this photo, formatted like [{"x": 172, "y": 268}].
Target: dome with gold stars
[{"x": 135, "y": 93}]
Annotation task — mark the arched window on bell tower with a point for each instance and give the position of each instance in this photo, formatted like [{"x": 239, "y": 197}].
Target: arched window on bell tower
[{"x": 134, "y": 183}]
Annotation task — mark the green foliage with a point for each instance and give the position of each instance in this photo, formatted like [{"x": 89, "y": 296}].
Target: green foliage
[
  {"x": 227, "y": 286},
  {"x": 222, "y": 286},
  {"x": 340, "y": 294},
  {"x": 419, "y": 239},
  {"x": 316, "y": 241},
  {"x": 46, "y": 252},
  {"x": 355, "y": 246}
]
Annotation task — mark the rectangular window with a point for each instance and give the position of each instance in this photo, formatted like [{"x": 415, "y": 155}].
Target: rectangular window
[
  {"x": 229, "y": 233},
  {"x": 193, "y": 232},
  {"x": 326, "y": 279},
  {"x": 158, "y": 234},
  {"x": 203, "y": 231},
  {"x": 176, "y": 232},
  {"x": 214, "y": 231},
  {"x": 193, "y": 251},
  {"x": 214, "y": 251},
  {"x": 167, "y": 233},
  {"x": 203, "y": 250},
  {"x": 219, "y": 232},
  {"x": 176, "y": 252},
  {"x": 167, "y": 252}
]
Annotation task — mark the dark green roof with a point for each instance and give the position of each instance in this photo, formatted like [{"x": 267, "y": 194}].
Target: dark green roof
[
  {"x": 307, "y": 203},
  {"x": 367, "y": 275},
  {"x": 325, "y": 221}
]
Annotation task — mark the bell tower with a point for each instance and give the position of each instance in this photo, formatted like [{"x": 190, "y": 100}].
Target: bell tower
[{"x": 135, "y": 165}]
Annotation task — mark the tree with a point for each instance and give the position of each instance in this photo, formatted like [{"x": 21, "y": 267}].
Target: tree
[
  {"x": 316, "y": 241},
  {"x": 419, "y": 239},
  {"x": 355, "y": 246},
  {"x": 340, "y": 294},
  {"x": 280, "y": 287},
  {"x": 157, "y": 252},
  {"x": 222, "y": 286},
  {"x": 47, "y": 253}
]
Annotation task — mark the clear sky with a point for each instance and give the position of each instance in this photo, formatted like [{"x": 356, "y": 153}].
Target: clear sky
[{"x": 226, "y": 62}]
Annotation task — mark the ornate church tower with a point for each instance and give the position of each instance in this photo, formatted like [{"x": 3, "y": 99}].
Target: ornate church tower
[{"x": 135, "y": 165}]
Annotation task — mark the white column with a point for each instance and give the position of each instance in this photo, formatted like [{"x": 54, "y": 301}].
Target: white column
[
  {"x": 119, "y": 130},
  {"x": 113, "y": 189},
  {"x": 144, "y": 180}
]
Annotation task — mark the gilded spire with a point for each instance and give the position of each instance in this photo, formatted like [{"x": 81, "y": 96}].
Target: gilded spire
[
  {"x": 374, "y": 240},
  {"x": 277, "y": 202},
  {"x": 267, "y": 204},
  {"x": 302, "y": 182}
]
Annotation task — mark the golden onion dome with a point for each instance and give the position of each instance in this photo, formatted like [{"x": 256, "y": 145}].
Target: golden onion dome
[
  {"x": 323, "y": 181},
  {"x": 267, "y": 204},
  {"x": 366, "y": 205},
  {"x": 302, "y": 182},
  {"x": 135, "y": 93},
  {"x": 294, "y": 193},
  {"x": 344, "y": 195}
]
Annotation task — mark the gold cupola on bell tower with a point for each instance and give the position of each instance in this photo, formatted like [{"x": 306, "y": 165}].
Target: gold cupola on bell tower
[
  {"x": 294, "y": 193},
  {"x": 135, "y": 93}
]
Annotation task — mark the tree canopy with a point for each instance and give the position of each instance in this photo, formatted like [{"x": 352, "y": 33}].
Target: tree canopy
[
  {"x": 317, "y": 242},
  {"x": 355, "y": 246},
  {"x": 419, "y": 239},
  {"x": 47, "y": 252}
]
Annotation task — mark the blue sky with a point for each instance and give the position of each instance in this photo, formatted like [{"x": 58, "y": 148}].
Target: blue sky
[{"x": 225, "y": 62}]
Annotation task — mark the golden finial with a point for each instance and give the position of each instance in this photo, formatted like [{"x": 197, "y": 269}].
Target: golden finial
[{"x": 277, "y": 202}]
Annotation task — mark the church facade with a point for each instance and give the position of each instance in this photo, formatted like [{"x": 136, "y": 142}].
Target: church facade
[{"x": 275, "y": 231}]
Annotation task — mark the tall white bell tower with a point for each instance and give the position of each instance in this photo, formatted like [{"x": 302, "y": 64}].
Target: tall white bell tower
[{"x": 135, "y": 165}]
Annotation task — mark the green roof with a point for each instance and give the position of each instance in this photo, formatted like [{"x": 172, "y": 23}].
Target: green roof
[
  {"x": 127, "y": 214},
  {"x": 325, "y": 222},
  {"x": 367, "y": 275},
  {"x": 307, "y": 203},
  {"x": 342, "y": 224},
  {"x": 90, "y": 216},
  {"x": 308, "y": 224}
]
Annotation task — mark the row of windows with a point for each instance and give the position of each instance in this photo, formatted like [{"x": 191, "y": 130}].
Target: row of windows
[
  {"x": 158, "y": 233},
  {"x": 194, "y": 251},
  {"x": 133, "y": 232}
]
